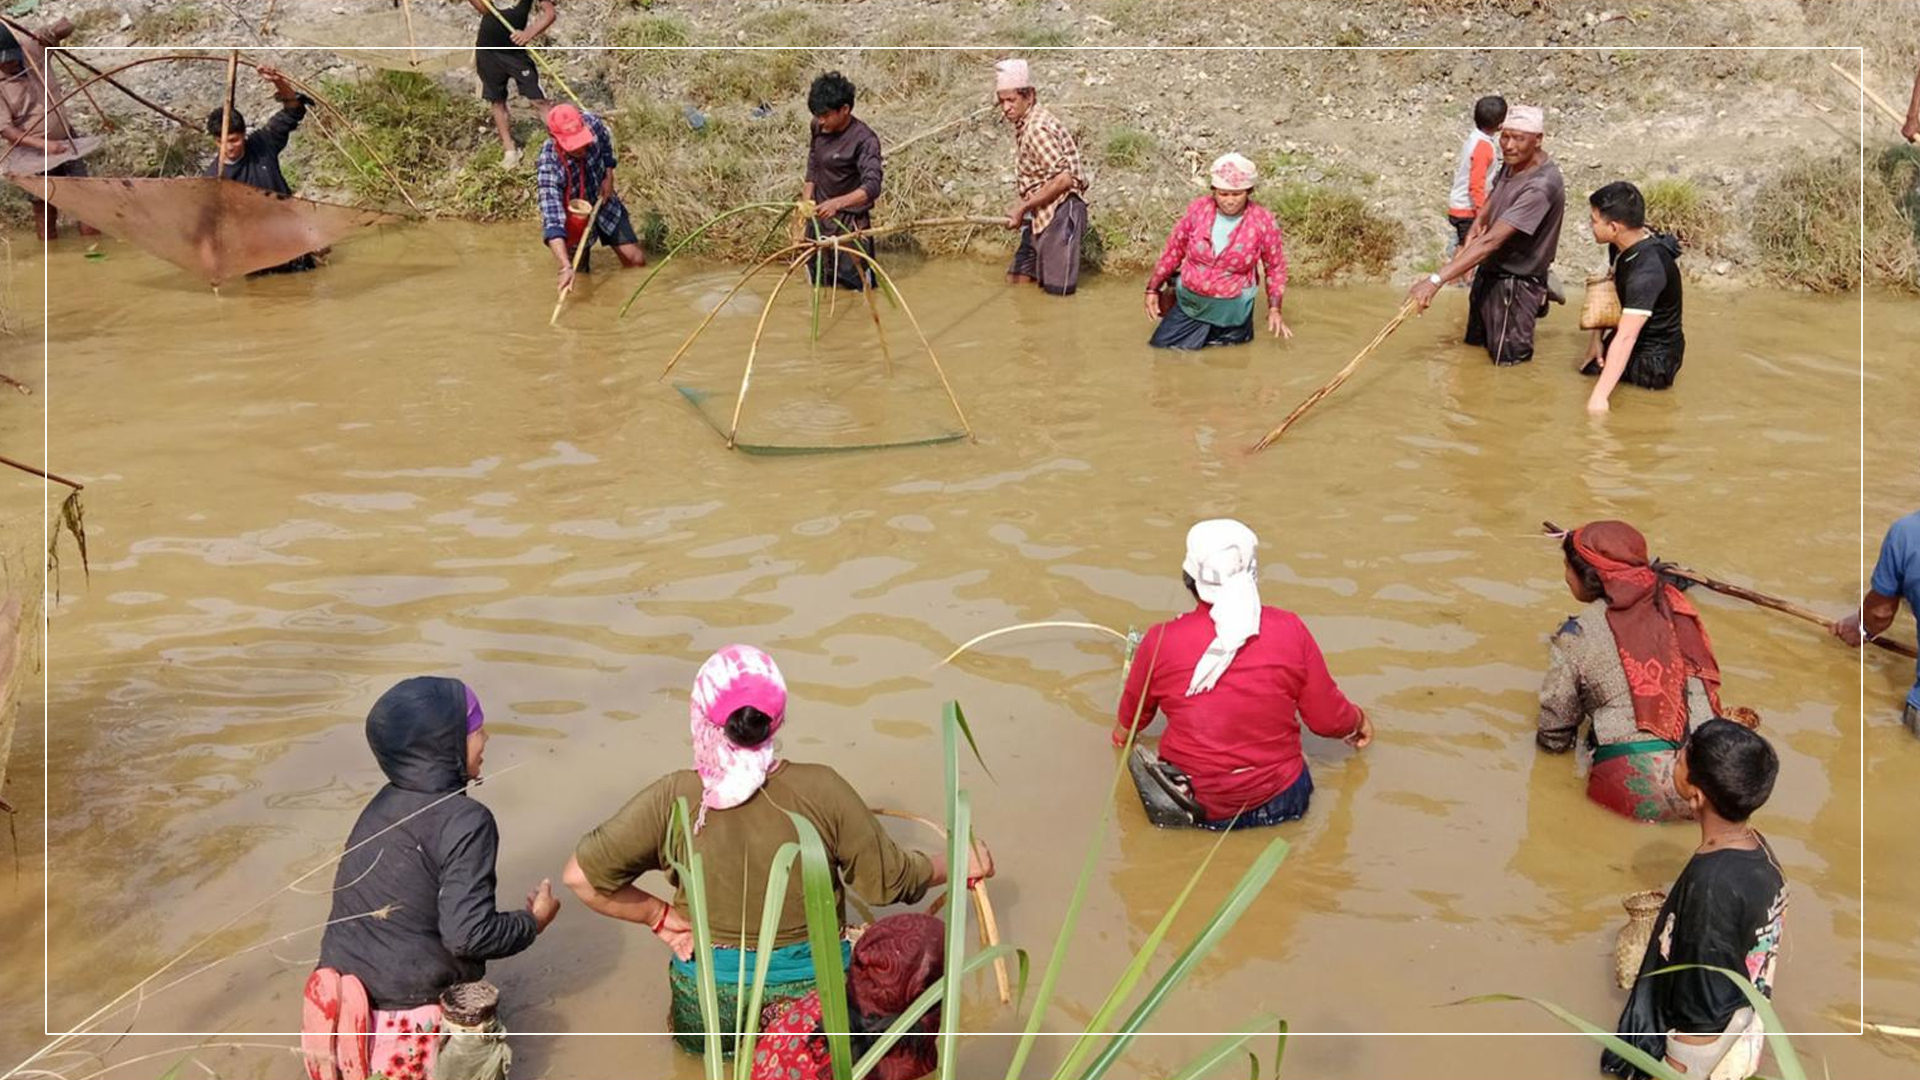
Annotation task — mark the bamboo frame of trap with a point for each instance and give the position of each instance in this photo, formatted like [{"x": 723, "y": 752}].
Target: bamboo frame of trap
[{"x": 799, "y": 250}]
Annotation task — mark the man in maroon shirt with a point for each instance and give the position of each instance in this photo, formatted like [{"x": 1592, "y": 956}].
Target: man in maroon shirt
[{"x": 1231, "y": 676}]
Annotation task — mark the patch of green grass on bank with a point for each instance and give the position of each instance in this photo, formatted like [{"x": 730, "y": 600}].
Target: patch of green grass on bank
[
  {"x": 441, "y": 145},
  {"x": 1127, "y": 147},
  {"x": 1331, "y": 232},
  {"x": 1807, "y": 227},
  {"x": 1680, "y": 206}
]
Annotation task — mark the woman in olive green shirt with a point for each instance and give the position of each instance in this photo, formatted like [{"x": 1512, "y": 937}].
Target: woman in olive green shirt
[{"x": 744, "y": 792}]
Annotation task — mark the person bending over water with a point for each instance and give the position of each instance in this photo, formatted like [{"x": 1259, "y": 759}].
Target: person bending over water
[
  {"x": 1232, "y": 676},
  {"x": 742, "y": 790},
  {"x": 373, "y": 1003},
  {"x": 1628, "y": 676},
  {"x": 1726, "y": 910},
  {"x": 1213, "y": 258}
]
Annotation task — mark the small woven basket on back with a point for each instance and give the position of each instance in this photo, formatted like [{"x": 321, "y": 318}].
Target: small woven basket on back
[{"x": 1601, "y": 311}]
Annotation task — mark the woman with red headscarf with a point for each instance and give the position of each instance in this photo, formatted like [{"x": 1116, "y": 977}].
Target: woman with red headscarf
[
  {"x": 893, "y": 964},
  {"x": 739, "y": 791},
  {"x": 1629, "y": 677}
]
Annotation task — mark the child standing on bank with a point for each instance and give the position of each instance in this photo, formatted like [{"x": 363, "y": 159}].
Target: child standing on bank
[{"x": 1474, "y": 171}]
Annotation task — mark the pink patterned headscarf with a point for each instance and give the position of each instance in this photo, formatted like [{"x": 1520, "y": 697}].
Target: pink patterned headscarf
[{"x": 736, "y": 676}]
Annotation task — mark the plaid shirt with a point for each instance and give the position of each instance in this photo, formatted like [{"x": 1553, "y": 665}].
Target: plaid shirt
[
  {"x": 558, "y": 178},
  {"x": 1043, "y": 148}
]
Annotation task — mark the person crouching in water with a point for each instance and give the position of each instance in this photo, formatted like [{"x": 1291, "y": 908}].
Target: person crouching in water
[
  {"x": 1235, "y": 679},
  {"x": 572, "y": 173},
  {"x": 423, "y": 853},
  {"x": 1213, "y": 259},
  {"x": 1628, "y": 676},
  {"x": 1726, "y": 910},
  {"x": 253, "y": 157},
  {"x": 894, "y": 962}
]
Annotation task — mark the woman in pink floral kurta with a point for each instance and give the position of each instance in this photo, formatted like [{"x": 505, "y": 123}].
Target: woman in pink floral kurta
[{"x": 1212, "y": 262}]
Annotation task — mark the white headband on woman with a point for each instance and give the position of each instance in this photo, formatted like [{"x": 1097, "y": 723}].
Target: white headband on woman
[{"x": 1225, "y": 574}]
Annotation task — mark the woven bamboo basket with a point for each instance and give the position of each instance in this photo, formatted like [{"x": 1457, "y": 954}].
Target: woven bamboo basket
[
  {"x": 1630, "y": 944},
  {"x": 1601, "y": 311}
]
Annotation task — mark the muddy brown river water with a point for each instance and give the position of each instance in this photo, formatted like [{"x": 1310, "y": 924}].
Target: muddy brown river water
[{"x": 308, "y": 487}]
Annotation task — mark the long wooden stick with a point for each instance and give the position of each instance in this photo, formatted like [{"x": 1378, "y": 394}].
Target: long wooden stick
[
  {"x": 117, "y": 85},
  {"x": 66, "y": 65},
  {"x": 41, "y": 473},
  {"x": 938, "y": 128},
  {"x": 733, "y": 429},
  {"x": 1894, "y": 114},
  {"x": 1333, "y": 384},
  {"x": 578, "y": 253},
  {"x": 406, "y": 11},
  {"x": 1738, "y": 592},
  {"x": 982, "y": 906}
]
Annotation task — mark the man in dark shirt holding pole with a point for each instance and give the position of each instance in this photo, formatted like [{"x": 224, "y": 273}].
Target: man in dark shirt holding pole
[
  {"x": 253, "y": 157},
  {"x": 843, "y": 178},
  {"x": 500, "y": 56},
  {"x": 1648, "y": 345},
  {"x": 1514, "y": 237}
]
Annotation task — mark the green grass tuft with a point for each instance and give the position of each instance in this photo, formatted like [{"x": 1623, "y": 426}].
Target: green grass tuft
[
  {"x": 1127, "y": 147},
  {"x": 1330, "y": 232},
  {"x": 1677, "y": 205},
  {"x": 1807, "y": 226}
]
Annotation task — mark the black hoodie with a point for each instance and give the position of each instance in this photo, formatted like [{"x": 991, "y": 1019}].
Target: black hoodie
[{"x": 436, "y": 868}]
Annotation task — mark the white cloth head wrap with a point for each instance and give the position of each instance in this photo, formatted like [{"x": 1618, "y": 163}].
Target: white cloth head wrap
[
  {"x": 1225, "y": 574},
  {"x": 1011, "y": 75},
  {"x": 1526, "y": 118},
  {"x": 1233, "y": 172}
]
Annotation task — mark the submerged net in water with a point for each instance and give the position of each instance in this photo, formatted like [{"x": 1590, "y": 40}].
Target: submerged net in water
[
  {"x": 797, "y": 435},
  {"x": 210, "y": 226}
]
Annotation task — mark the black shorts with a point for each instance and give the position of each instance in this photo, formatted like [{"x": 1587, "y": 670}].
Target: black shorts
[
  {"x": 621, "y": 233},
  {"x": 497, "y": 67}
]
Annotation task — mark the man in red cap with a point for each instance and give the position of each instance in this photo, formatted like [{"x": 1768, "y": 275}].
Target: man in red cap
[{"x": 573, "y": 172}]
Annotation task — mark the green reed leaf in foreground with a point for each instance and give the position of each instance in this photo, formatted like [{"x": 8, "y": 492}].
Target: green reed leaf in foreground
[
  {"x": 692, "y": 878},
  {"x": 959, "y": 865},
  {"x": 1130, "y": 978},
  {"x": 771, "y": 905},
  {"x": 1641, "y": 1060},
  {"x": 823, "y": 934},
  {"x": 1229, "y": 1046},
  {"x": 1070, "y": 920},
  {"x": 1777, "y": 1041},
  {"x": 1229, "y": 912}
]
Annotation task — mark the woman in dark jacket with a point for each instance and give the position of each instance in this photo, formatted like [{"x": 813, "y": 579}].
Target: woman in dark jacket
[{"x": 424, "y": 852}]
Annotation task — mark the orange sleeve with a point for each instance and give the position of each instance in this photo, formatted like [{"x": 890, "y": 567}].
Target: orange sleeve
[{"x": 1477, "y": 169}]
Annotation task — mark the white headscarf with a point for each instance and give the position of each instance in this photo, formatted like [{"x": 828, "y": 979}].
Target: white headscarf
[
  {"x": 1225, "y": 574},
  {"x": 1012, "y": 75}
]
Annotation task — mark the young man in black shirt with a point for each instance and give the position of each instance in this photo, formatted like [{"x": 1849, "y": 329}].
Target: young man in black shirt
[
  {"x": 1648, "y": 345},
  {"x": 500, "y": 56},
  {"x": 253, "y": 157},
  {"x": 843, "y": 179}
]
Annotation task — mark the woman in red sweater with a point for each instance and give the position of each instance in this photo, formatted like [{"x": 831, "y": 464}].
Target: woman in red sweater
[{"x": 1236, "y": 679}]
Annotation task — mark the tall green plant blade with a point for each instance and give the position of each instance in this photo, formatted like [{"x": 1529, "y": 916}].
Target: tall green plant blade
[
  {"x": 1659, "y": 1070},
  {"x": 1279, "y": 1049},
  {"x": 779, "y": 219},
  {"x": 1070, "y": 919},
  {"x": 1235, "y": 905},
  {"x": 770, "y": 909},
  {"x": 1229, "y": 1047},
  {"x": 959, "y": 830},
  {"x": 690, "y": 238},
  {"x": 1130, "y": 978},
  {"x": 1777, "y": 1041},
  {"x": 958, "y": 716},
  {"x": 692, "y": 876},
  {"x": 814, "y": 327},
  {"x": 928, "y": 998},
  {"x": 823, "y": 934}
]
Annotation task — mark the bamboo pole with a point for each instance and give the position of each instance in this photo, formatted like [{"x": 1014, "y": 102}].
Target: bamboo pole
[
  {"x": 1894, "y": 114},
  {"x": 117, "y": 85},
  {"x": 724, "y": 301},
  {"x": 226, "y": 113},
  {"x": 66, "y": 65},
  {"x": 413, "y": 53},
  {"x": 1333, "y": 384},
  {"x": 922, "y": 334},
  {"x": 938, "y": 128},
  {"x": 989, "y": 635},
  {"x": 578, "y": 252},
  {"x": 873, "y": 309},
  {"x": 733, "y": 429},
  {"x": 982, "y": 906},
  {"x": 1739, "y": 592}
]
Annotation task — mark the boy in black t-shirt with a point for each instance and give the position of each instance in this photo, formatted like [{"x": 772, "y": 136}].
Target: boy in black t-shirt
[
  {"x": 1725, "y": 911},
  {"x": 1647, "y": 347},
  {"x": 500, "y": 56}
]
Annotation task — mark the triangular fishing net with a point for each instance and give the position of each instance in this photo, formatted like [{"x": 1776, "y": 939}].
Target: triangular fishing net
[
  {"x": 210, "y": 226},
  {"x": 818, "y": 429}
]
